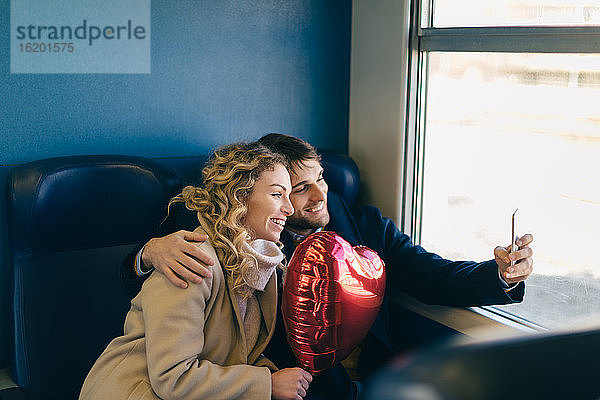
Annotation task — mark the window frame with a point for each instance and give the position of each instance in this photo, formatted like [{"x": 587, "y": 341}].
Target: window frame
[
  {"x": 513, "y": 39},
  {"x": 425, "y": 39}
]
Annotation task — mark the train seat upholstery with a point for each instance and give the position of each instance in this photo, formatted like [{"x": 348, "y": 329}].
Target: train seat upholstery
[
  {"x": 556, "y": 365},
  {"x": 72, "y": 222}
]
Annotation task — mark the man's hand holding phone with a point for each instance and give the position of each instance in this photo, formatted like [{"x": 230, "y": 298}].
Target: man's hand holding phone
[{"x": 515, "y": 261}]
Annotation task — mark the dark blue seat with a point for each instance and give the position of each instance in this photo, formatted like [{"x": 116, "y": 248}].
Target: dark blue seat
[
  {"x": 72, "y": 223},
  {"x": 72, "y": 220},
  {"x": 545, "y": 366}
]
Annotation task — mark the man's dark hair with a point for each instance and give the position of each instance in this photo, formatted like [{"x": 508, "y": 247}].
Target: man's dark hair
[{"x": 296, "y": 151}]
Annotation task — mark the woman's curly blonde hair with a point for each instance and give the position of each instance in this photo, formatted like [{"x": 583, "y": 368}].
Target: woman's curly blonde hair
[{"x": 229, "y": 178}]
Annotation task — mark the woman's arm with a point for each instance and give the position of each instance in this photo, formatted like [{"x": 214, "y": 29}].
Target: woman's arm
[{"x": 174, "y": 324}]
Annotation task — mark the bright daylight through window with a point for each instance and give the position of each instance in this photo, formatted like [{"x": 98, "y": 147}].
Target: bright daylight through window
[{"x": 504, "y": 129}]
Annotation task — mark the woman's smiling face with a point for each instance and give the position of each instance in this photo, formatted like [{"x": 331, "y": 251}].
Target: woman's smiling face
[{"x": 269, "y": 204}]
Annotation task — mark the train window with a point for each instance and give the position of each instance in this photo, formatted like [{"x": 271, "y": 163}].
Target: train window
[{"x": 507, "y": 117}]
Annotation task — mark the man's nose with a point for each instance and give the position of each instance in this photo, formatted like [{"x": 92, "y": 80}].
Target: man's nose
[{"x": 318, "y": 194}]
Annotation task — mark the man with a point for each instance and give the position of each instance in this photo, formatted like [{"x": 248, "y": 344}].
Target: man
[{"x": 410, "y": 268}]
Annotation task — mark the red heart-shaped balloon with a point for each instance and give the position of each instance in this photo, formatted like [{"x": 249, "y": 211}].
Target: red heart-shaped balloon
[{"x": 331, "y": 296}]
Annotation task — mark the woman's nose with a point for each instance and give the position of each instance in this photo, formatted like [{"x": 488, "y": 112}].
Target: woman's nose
[{"x": 287, "y": 209}]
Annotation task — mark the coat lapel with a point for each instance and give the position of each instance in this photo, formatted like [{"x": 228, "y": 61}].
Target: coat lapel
[
  {"x": 267, "y": 301},
  {"x": 238, "y": 317}
]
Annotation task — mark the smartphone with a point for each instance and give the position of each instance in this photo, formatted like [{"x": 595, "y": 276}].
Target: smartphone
[{"x": 513, "y": 239}]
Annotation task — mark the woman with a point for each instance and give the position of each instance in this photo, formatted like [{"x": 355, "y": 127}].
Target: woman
[{"x": 206, "y": 342}]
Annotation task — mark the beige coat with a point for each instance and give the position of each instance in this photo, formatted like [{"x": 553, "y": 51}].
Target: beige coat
[{"x": 186, "y": 344}]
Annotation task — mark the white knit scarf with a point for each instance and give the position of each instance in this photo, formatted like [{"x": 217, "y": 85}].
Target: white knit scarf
[{"x": 268, "y": 257}]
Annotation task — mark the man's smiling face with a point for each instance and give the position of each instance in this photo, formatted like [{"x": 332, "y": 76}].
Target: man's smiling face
[{"x": 309, "y": 198}]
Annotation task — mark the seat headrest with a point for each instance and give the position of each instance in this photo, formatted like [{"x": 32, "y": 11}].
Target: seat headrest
[
  {"x": 78, "y": 202},
  {"x": 342, "y": 176},
  {"x": 340, "y": 172}
]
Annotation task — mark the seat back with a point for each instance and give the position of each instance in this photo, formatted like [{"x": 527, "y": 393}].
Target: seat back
[
  {"x": 544, "y": 366},
  {"x": 72, "y": 221}
]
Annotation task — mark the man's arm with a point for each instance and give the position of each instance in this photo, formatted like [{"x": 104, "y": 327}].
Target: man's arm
[
  {"x": 435, "y": 280},
  {"x": 171, "y": 253},
  {"x": 177, "y": 257}
]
